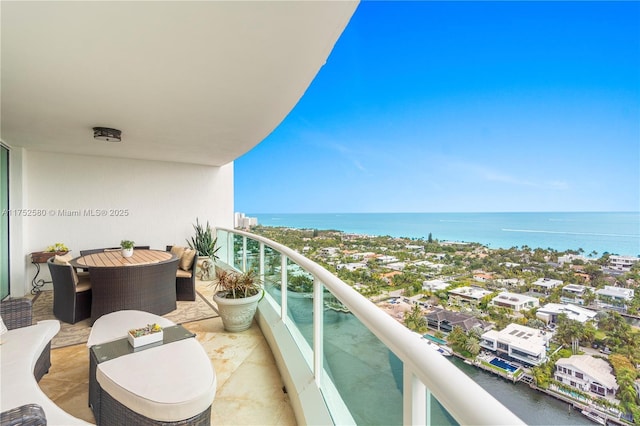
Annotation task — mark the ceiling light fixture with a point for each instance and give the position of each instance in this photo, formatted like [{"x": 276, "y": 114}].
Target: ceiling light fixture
[{"x": 107, "y": 134}]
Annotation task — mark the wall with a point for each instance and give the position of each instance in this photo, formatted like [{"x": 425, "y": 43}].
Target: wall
[{"x": 91, "y": 202}]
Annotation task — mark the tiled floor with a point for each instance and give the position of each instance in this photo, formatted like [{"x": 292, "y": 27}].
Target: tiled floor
[{"x": 250, "y": 391}]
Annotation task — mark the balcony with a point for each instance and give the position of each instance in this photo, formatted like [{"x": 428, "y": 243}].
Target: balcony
[
  {"x": 331, "y": 357},
  {"x": 343, "y": 360}
]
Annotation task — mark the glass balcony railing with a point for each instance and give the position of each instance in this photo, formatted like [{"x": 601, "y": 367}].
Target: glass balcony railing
[{"x": 342, "y": 359}]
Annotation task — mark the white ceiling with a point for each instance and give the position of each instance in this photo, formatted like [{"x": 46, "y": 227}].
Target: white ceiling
[{"x": 199, "y": 82}]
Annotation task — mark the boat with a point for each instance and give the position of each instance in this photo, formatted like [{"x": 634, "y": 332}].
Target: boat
[
  {"x": 593, "y": 416},
  {"x": 443, "y": 350}
]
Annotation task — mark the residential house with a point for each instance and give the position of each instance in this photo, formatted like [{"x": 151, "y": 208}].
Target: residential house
[
  {"x": 467, "y": 296},
  {"x": 545, "y": 285},
  {"x": 549, "y": 313},
  {"x": 354, "y": 266},
  {"x": 482, "y": 277},
  {"x": 574, "y": 293},
  {"x": 622, "y": 263},
  {"x": 515, "y": 301},
  {"x": 397, "y": 266},
  {"x": 435, "y": 285},
  {"x": 329, "y": 251},
  {"x": 388, "y": 276},
  {"x": 519, "y": 343},
  {"x": 569, "y": 258},
  {"x": 616, "y": 298},
  {"x": 509, "y": 282},
  {"x": 444, "y": 320},
  {"x": 587, "y": 374}
]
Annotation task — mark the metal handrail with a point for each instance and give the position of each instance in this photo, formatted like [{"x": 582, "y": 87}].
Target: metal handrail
[{"x": 463, "y": 398}]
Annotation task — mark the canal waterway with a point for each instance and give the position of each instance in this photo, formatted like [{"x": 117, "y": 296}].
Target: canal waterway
[{"x": 533, "y": 407}]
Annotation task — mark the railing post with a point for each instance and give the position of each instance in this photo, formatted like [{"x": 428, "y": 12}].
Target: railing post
[
  {"x": 413, "y": 399},
  {"x": 318, "y": 324},
  {"x": 230, "y": 248},
  {"x": 261, "y": 266},
  {"x": 283, "y": 287},
  {"x": 244, "y": 253}
]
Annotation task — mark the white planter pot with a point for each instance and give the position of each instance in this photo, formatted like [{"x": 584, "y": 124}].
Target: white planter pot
[
  {"x": 127, "y": 252},
  {"x": 205, "y": 268},
  {"x": 237, "y": 314}
]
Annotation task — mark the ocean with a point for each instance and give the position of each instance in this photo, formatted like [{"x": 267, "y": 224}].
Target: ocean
[{"x": 600, "y": 232}]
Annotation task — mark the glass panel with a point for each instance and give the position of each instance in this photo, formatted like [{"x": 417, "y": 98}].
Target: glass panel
[
  {"x": 236, "y": 261},
  {"x": 365, "y": 373},
  {"x": 223, "y": 253},
  {"x": 253, "y": 255},
  {"x": 4, "y": 222},
  {"x": 272, "y": 276},
  {"x": 300, "y": 299}
]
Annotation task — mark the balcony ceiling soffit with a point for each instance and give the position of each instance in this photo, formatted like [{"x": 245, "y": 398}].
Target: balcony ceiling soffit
[{"x": 194, "y": 82}]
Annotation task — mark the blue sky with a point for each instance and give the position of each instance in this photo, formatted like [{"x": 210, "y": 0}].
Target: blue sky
[{"x": 462, "y": 107}]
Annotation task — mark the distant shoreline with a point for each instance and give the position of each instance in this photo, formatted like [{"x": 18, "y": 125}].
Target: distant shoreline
[{"x": 600, "y": 232}]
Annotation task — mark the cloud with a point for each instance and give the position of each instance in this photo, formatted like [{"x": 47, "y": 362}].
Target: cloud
[{"x": 492, "y": 175}]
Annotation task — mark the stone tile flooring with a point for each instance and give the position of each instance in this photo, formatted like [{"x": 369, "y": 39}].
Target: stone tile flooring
[{"x": 249, "y": 385}]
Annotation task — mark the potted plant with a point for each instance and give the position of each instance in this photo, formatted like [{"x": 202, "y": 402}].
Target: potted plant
[
  {"x": 52, "y": 250},
  {"x": 205, "y": 245},
  {"x": 237, "y": 295},
  {"x": 127, "y": 248}
]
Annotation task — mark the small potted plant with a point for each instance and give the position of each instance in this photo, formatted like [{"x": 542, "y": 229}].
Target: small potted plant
[
  {"x": 237, "y": 296},
  {"x": 52, "y": 250},
  {"x": 152, "y": 333},
  {"x": 127, "y": 248}
]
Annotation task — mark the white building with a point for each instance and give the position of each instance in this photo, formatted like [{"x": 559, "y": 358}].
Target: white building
[
  {"x": 435, "y": 285},
  {"x": 622, "y": 263},
  {"x": 509, "y": 282},
  {"x": 614, "y": 297},
  {"x": 569, "y": 258},
  {"x": 351, "y": 266},
  {"x": 396, "y": 266},
  {"x": 467, "y": 295},
  {"x": 587, "y": 374},
  {"x": 574, "y": 293},
  {"x": 549, "y": 313},
  {"x": 386, "y": 259},
  {"x": 514, "y": 301},
  {"x": 518, "y": 342},
  {"x": 546, "y": 284},
  {"x": 329, "y": 251},
  {"x": 241, "y": 221}
]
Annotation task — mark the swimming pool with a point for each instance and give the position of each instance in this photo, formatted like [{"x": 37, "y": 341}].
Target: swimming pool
[
  {"x": 504, "y": 365},
  {"x": 434, "y": 339}
]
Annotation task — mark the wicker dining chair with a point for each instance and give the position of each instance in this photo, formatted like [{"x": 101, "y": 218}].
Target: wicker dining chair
[
  {"x": 71, "y": 294},
  {"x": 186, "y": 280}
]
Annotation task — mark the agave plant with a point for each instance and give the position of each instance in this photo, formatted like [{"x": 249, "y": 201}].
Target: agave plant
[
  {"x": 236, "y": 285},
  {"x": 204, "y": 242}
]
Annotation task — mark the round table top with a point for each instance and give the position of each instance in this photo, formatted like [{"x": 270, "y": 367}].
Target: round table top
[{"x": 114, "y": 258}]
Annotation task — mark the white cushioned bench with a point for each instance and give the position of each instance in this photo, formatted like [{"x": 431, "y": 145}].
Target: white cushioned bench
[
  {"x": 171, "y": 383},
  {"x": 19, "y": 352}
]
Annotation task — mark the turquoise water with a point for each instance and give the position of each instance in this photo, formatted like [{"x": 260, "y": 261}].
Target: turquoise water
[
  {"x": 434, "y": 339},
  {"x": 615, "y": 232}
]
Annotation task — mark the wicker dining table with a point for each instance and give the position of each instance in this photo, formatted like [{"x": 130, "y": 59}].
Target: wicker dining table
[
  {"x": 145, "y": 281},
  {"x": 110, "y": 258}
]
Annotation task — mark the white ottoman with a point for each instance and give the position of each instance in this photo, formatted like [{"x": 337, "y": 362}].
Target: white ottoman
[{"x": 172, "y": 384}]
